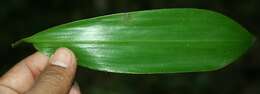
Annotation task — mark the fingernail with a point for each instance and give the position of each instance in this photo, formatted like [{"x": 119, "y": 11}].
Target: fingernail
[
  {"x": 62, "y": 57},
  {"x": 76, "y": 85},
  {"x": 75, "y": 89}
]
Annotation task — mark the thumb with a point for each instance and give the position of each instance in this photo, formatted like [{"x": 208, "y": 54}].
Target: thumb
[{"x": 58, "y": 75}]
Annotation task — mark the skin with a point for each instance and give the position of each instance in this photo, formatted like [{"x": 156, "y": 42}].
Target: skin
[{"x": 37, "y": 74}]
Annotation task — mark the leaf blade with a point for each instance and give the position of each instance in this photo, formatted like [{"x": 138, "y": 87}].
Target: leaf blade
[{"x": 155, "y": 41}]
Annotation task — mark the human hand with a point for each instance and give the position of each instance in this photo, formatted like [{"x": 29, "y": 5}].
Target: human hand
[{"x": 37, "y": 74}]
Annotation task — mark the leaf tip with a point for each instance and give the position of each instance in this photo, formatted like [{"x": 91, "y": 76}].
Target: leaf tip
[{"x": 13, "y": 45}]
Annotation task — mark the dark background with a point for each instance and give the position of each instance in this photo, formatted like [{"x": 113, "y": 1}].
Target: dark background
[{"x": 22, "y": 18}]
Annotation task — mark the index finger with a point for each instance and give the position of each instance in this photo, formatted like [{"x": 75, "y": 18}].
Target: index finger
[{"x": 21, "y": 77}]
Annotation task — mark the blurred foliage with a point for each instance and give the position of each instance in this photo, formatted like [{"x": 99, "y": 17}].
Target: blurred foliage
[{"x": 22, "y": 18}]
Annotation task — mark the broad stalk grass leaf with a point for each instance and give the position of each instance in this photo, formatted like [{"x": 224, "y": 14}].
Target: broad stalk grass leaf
[{"x": 152, "y": 41}]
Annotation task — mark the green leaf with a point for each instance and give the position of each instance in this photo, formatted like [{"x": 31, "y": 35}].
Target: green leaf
[{"x": 152, "y": 41}]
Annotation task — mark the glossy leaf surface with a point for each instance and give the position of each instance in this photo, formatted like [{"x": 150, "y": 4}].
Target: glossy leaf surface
[{"x": 153, "y": 41}]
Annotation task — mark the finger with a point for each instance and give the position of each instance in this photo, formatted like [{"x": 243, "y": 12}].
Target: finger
[
  {"x": 21, "y": 77},
  {"x": 57, "y": 77},
  {"x": 75, "y": 89}
]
